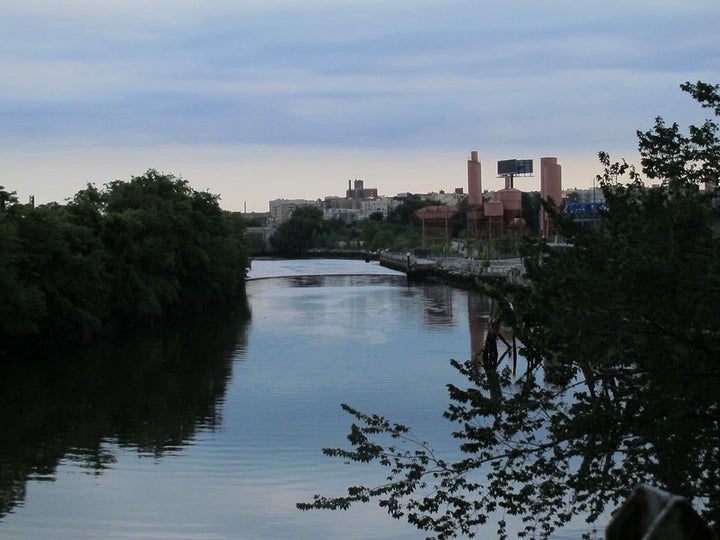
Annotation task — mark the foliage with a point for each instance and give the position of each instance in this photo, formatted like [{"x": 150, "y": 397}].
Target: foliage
[
  {"x": 531, "y": 211},
  {"x": 459, "y": 220},
  {"x": 7, "y": 198},
  {"x": 298, "y": 234},
  {"x": 306, "y": 230},
  {"x": 621, "y": 333},
  {"x": 405, "y": 212},
  {"x": 129, "y": 254}
]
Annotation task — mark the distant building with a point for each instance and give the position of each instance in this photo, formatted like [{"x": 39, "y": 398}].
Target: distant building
[
  {"x": 258, "y": 217},
  {"x": 382, "y": 205},
  {"x": 334, "y": 202},
  {"x": 586, "y": 213},
  {"x": 448, "y": 199},
  {"x": 259, "y": 239},
  {"x": 282, "y": 209},
  {"x": 359, "y": 203},
  {"x": 358, "y": 192},
  {"x": 589, "y": 196},
  {"x": 345, "y": 214}
]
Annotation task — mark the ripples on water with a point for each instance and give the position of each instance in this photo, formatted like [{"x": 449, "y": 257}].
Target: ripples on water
[{"x": 216, "y": 432}]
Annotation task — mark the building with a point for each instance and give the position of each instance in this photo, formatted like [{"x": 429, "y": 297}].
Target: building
[
  {"x": 282, "y": 209},
  {"x": 436, "y": 224},
  {"x": 261, "y": 218},
  {"x": 585, "y": 213},
  {"x": 381, "y": 205},
  {"x": 358, "y": 192},
  {"x": 259, "y": 239},
  {"x": 587, "y": 196},
  {"x": 550, "y": 190},
  {"x": 345, "y": 214},
  {"x": 448, "y": 199}
]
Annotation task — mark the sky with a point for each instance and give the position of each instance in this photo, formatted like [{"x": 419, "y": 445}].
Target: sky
[{"x": 260, "y": 100}]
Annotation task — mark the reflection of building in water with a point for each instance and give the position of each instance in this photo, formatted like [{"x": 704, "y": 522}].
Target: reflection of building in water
[
  {"x": 438, "y": 306},
  {"x": 480, "y": 318},
  {"x": 479, "y": 307},
  {"x": 438, "y": 313}
]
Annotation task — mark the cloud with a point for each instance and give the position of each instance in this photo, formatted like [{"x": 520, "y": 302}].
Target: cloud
[{"x": 441, "y": 78}]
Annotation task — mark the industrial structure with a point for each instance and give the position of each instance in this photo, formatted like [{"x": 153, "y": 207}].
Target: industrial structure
[
  {"x": 492, "y": 214},
  {"x": 436, "y": 224},
  {"x": 550, "y": 190},
  {"x": 359, "y": 192}
]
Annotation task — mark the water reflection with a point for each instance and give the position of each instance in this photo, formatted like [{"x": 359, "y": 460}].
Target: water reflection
[
  {"x": 369, "y": 340},
  {"x": 479, "y": 310},
  {"x": 438, "y": 306},
  {"x": 439, "y": 313},
  {"x": 152, "y": 394},
  {"x": 307, "y": 281}
]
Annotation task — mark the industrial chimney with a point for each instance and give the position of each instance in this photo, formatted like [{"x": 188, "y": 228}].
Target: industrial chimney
[
  {"x": 550, "y": 188},
  {"x": 474, "y": 181},
  {"x": 551, "y": 179}
]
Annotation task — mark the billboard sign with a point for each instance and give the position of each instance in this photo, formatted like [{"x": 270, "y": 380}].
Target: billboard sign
[{"x": 512, "y": 167}]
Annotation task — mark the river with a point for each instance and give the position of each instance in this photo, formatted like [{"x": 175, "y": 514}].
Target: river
[{"x": 216, "y": 431}]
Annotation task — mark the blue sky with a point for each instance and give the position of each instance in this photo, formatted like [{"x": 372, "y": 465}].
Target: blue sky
[{"x": 262, "y": 100}]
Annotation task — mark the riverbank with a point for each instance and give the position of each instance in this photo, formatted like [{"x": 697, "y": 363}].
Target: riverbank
[
  {"x": 451, "y": 270},
  {"x": 454, "y": 271}
]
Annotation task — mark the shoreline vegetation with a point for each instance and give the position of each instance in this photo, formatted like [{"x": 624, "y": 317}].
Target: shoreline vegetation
[
  {"x": 129, "y": 256},
  {"x": 620, "y": 329}
]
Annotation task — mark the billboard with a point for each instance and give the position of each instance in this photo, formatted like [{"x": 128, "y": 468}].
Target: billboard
[{"x": 511, "y": 167}]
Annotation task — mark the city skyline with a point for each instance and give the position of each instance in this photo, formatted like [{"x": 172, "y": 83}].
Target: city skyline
[{"x": 259, "y": 101}]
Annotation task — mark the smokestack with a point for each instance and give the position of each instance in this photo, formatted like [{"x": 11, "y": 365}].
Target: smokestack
[
  {"x": 474, "y": 180},
  {"x": 550, "y": 187},
  {"x": 551, "y": 179}
]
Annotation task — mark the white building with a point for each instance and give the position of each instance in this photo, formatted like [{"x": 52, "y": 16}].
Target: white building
[
  {"x": 448, "y": 199},
  {"x": 382, "y": 205}
]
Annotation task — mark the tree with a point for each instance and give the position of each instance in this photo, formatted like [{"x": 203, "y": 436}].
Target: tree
[
  {"x": 404, "y": 214},
  {"x": 459, "y": 220},
  {"x": 7, "y": 198},
  {"x": 622, "y": 336},
  {"x": 22, "y": 306},
  {"x": 298, "y": 234},
  {"x": 65, "y": 260},
  {"x": 172, "y": 247},
  {"x": 130, "y": 254},
  {"x": 531, "y": 211}
]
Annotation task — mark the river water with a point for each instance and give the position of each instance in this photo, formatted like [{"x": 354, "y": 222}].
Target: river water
[{"x": 216, "y": 431}]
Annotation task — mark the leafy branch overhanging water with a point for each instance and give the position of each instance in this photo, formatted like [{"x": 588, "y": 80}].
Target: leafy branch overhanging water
[{"x": 622, "y": 330}]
